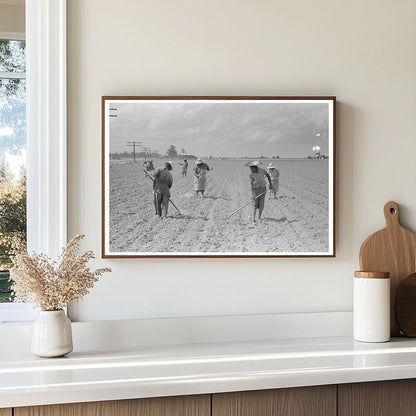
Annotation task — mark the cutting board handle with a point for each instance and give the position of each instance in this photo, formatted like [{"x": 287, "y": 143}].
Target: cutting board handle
[{"x": 391, "y": 214}]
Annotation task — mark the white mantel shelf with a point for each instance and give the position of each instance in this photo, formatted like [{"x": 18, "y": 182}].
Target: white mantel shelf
[{"x": 151, "y": 371}]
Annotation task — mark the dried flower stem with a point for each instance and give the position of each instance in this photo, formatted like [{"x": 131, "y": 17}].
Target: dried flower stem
[{"x": 53, "y": 285}]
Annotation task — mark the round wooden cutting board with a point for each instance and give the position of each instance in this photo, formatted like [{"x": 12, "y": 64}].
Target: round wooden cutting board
[
  {"x": 405, "y": 305},
  {"x": 393, "y": 250}
]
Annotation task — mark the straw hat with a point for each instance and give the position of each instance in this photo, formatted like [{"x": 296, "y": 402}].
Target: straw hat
[
  {"x": 271, "y": 166},
  {"x": 254, "y": 163},
  {"x": 199, "y": 161}
]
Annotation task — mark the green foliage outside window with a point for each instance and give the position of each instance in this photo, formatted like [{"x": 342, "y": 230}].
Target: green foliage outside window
[{"x": 12, "y": 224}]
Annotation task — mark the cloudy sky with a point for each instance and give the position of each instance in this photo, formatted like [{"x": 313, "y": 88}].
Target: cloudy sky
[{"x": 204, "y": 128}]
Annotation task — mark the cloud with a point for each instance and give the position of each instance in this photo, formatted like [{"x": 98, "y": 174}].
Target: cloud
[
  {"x": 15, "y": 162},
  {"x": 215, "y": 127},
  {"x": 6, "y": 131}
]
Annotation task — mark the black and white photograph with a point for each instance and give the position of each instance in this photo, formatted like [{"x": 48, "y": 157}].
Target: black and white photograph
[{"x": 218, "y": 176}]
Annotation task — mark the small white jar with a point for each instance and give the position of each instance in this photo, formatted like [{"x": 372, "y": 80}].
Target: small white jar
[
  {"x": 371, "y": 310},
  {"x": 52, "y": 334}
]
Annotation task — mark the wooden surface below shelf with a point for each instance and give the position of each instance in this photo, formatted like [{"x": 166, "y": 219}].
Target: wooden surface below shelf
[
  {"x": 162, "y": 406},
  {"x": 382, "y": 398},
  {"x": 317, "y": 401}
]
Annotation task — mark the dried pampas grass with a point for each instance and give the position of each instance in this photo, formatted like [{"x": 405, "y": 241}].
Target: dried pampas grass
[{"x": 53, "y": 285}]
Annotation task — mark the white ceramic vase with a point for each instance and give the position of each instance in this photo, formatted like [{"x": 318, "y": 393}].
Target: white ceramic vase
[{"x": 52, "y": 334}]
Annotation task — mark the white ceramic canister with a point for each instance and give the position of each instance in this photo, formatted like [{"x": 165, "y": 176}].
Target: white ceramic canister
[{"x": 371, "y": 310}]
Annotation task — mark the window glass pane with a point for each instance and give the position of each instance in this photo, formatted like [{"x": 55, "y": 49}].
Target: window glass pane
[
  {"x": 13, "y": 121},
  {"x": 12, "y": 56},
  {"x": 12, "y": 160}
]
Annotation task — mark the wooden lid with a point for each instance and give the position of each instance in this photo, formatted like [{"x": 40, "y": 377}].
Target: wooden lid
[{"x": 372, "y": 275}]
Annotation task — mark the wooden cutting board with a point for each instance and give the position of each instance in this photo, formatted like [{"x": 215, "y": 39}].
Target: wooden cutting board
[
  {"x": 393, "y": 250},
  {"x": 405, "y": 305}
]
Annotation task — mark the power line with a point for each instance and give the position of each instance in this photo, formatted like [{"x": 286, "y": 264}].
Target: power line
[{"x": 134, "y": 144}]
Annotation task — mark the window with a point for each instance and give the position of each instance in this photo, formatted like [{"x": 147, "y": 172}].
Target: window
[
  {"x": 46, "y": 134},
  {"x": 12, "y": 165},
  {"x": 12, "y": 155}
]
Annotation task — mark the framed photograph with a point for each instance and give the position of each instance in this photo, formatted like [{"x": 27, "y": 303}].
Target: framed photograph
[{"x": 218, "y": 176}]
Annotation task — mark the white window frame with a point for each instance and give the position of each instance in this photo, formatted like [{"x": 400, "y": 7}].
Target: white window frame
[
  {"x": 46, "y": 133},
  {"x": 46, "y": 125}
]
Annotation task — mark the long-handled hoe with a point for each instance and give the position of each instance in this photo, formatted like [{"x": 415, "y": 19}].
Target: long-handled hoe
[{"x": 239, "y": 209}]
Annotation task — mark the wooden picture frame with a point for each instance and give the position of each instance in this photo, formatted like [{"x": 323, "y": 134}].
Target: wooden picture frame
[{"x": 218, "y": 218}]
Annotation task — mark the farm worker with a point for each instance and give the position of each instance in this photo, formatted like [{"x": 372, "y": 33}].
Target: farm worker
[
  {"x": 274, "y": 175},
  {"x": 163, "y": 181},
  {"x": 258, "y": 186},
  {"x": 148, "y": 165},
  {"x": 200, "y": 176},
  {"x": 184, "y": 168}
]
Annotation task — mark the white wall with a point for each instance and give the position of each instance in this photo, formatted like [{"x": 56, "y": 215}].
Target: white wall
[
  {"x": 12, "y": 18},
  {"x": 361, "y": 51}
]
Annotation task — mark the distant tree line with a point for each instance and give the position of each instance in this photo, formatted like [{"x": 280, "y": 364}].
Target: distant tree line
[
  {"x": 171, "y": 153},
  {"x": 129, "y": 155}
]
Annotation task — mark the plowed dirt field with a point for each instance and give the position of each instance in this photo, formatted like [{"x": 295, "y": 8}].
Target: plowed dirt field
[{"x": 297, "y": 221}]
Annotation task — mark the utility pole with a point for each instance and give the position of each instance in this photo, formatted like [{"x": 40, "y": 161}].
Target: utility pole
[
  {"x": 146, "y": 149},
  {"x": 134, "y": 144}
]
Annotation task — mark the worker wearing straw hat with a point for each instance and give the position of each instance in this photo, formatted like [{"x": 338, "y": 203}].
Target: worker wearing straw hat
[
  {"x": 162, "y": 183},
  {"x": 258, "y": 187},
  {"x": 200, "y": 176},
  {"x": 274, "y": 175}
]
